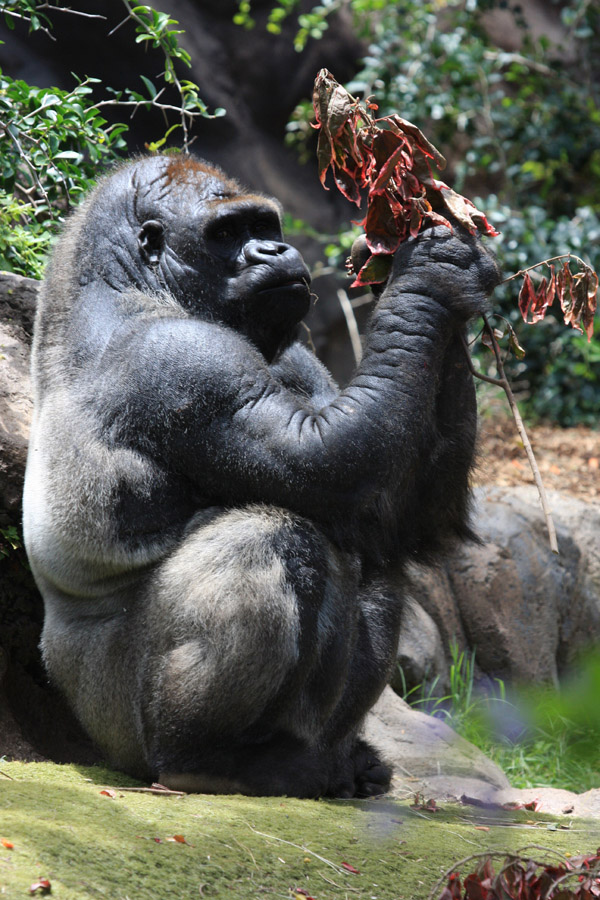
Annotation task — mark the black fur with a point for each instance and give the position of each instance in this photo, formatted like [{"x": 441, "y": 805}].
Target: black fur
[{"x": 217, "y": 529}]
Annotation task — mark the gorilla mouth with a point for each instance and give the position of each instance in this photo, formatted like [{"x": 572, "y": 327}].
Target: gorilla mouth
[{"x": 292, "y": 284}]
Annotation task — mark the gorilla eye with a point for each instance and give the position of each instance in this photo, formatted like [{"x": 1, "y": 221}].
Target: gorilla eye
[{"x": 223, "y": 234}]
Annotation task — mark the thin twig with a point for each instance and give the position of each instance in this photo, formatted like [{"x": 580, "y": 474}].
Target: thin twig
[
  {"x": 569, "y": 256},
  {"x": 504, "y": 383},
  {"x": 351, "y": 325},
  {"x": 273, "y": 837},
  {"x": 152, "y": 790}
]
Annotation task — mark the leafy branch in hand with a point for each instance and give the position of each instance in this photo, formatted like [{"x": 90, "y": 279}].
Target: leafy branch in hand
[
  {"x": 389, "y": 162},
  {"x": 390, "y": 159}
]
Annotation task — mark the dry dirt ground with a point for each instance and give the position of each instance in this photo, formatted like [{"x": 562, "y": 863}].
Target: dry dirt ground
[{"x": 568, "y": 458}]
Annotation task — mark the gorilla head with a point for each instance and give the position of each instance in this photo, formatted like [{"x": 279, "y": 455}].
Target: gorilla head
[
  {"x": 208, "y": 243},
  {"x": 218, "y": 531}
]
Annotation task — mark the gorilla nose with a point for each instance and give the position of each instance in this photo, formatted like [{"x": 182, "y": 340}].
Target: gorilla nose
[{"x": 264, "y": 251}]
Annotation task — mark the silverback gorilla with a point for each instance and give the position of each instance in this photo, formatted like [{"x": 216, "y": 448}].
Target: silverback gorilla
[{"x": 218, "y": 531}]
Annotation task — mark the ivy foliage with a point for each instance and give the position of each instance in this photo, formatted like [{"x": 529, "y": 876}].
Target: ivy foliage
[{"x": 53, "y": 141}]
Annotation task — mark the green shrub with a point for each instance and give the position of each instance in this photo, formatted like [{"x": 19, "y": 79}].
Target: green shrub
[{"x": 53, "y": 141}]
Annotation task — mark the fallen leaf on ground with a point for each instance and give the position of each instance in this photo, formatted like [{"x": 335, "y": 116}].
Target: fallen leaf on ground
[
  {"x": 350, "y": 868},
  {"x": 42, "y": 885}
]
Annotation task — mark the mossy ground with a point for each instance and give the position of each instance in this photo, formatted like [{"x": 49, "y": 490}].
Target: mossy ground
[{"x": 93, "y": 846}]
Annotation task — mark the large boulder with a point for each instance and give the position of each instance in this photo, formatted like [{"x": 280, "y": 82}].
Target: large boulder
[{"x": 527, "y": 611}]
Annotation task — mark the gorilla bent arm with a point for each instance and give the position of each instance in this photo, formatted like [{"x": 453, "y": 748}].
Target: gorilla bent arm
[{"x": 215, "y": 527}]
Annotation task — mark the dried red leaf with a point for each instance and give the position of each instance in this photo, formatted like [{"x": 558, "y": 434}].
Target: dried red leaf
[
  {"x": 578, "y": 297},
  {"x": 8, "y": 844},
  {"x": 108, "y": 793},
  {"x": 474, "y": 889},
  {"x": 350, "y": 868},
  {"x": 178, "y": 839},
  {"x": 380, "y": 226},
  {"x": 526, "y": 296},
  {"x": 391, "y": 157},
  {"x": 375, "y": 270},
  {"x": 42, "y": 885},
  {"x": 563, "y": 289},
  {"x": 463, "y": 210}
]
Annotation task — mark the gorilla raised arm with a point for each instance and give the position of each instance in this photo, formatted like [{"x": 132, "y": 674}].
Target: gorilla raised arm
[{"x": 214, "y": 525}]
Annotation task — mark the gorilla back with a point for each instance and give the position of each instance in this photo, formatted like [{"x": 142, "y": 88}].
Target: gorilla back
[{"x": 214, "y": 525}]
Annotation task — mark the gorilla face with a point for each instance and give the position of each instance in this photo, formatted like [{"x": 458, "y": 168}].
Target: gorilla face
[{"x": 221, "y": 253}]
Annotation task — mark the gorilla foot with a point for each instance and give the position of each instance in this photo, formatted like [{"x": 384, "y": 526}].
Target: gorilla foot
[
  {"x": 364, "y": 775},
  {"x": 281, "y": 766}
]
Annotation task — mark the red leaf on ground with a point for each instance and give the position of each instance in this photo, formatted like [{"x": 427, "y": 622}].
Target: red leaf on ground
[
  {"x": 109, "y": 793},
  {"x": 42, "y": 885},
  {"x": 474, "y": 889},
  {"x": 350, "y": 868},
  {"x": 452, "y": 890},
  {"x": 8, "y": 844}
]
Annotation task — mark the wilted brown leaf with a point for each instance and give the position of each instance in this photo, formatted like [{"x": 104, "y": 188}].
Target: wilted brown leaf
[{"x": 390, "y": 159}]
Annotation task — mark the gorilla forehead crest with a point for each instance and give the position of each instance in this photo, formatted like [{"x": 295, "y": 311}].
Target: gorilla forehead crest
[{"x": 173, "y": 180}]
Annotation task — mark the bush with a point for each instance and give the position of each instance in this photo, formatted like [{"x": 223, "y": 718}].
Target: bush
[{"x": 52, "y": 141}]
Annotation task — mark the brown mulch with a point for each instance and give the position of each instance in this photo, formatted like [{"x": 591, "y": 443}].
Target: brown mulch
[{"x": 568, "y": 458}]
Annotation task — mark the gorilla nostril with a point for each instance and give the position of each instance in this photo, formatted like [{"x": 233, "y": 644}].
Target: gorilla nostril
[{"x": 257, "y": 251}]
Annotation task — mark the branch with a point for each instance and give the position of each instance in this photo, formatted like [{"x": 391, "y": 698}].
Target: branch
[
  {"x": 169, "y": 72},
  {"x": 545, "y": 262},
  {"x": 351, "y": 325},
  {"x": 504, "y": 383}
]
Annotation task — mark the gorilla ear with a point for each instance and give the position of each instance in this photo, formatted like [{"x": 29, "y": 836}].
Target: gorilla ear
[{"x": 151, "y": 240}]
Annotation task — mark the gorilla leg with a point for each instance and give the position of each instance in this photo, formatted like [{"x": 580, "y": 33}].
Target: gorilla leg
[{"x": 262, "y": 622}]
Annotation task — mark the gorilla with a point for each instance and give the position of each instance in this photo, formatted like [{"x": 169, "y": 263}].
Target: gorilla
[{"x": 219, "y": 532}]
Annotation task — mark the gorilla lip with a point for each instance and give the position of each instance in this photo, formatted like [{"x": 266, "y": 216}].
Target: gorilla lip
[{"x": 285, "y": 285}]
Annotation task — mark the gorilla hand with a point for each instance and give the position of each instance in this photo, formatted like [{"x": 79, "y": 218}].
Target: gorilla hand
[
  {"x": 447, "y": 257},
  {"x": 452, "y": 267}
]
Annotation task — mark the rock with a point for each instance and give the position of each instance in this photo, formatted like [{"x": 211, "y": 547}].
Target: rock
[
  {"x": 430, "y": 759},
  {"x": 526, "y": 611},
  {"x": 17, "y": 309},
  {"x": 421, "y": 655},
  {"x": 420, "y": 746}
]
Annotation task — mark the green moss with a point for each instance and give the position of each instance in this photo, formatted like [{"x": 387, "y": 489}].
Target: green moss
[{"x": 94, "y": 846}]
